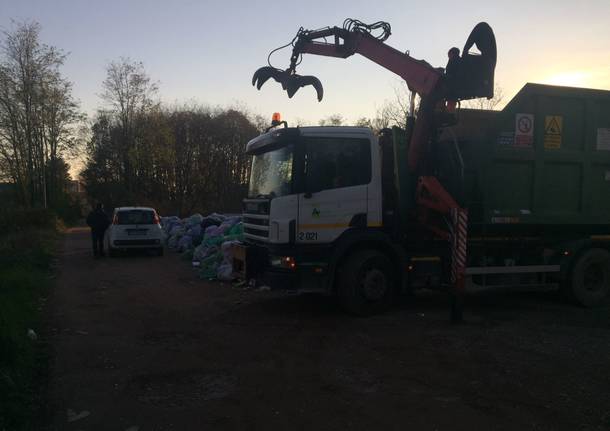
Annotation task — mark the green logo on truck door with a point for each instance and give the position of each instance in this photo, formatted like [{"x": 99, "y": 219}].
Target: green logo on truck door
[{"x": 315, "y": 213}]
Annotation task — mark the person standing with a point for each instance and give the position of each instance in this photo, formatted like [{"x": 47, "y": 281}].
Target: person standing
[{"x": 98, "y": 221}]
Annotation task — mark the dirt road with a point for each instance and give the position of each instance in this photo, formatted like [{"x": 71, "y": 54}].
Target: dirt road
[{"x": 140, "y": 343}]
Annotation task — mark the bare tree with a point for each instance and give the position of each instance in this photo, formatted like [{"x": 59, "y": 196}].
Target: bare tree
[
  {"x": 128, "y": 89},
  {"x": 395, "y": 112},
  {"x": 129, "y": 93},
  {"x": 37, "y": 112},
  {"x": 332, "y": 120},
  {"x": 483, "y": 103}
]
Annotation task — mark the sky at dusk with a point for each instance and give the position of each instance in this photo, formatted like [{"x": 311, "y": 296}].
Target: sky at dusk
[{"x": 206, "y": 51}]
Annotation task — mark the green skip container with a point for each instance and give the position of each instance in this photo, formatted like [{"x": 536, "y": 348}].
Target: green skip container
[{"x": 540, "y": 164}]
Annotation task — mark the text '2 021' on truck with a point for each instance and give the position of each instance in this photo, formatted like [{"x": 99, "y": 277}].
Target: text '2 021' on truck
[{"x": 490, "y": 198}]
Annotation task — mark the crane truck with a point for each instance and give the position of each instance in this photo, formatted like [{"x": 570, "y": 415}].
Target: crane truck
[{"x": 455, "y": 197}]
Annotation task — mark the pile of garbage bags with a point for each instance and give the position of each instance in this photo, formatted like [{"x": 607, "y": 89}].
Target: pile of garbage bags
[{"x": 207, "y": 241}]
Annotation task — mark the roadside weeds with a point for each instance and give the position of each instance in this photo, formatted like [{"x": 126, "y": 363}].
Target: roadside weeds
[{"x": 27, "y": 269}]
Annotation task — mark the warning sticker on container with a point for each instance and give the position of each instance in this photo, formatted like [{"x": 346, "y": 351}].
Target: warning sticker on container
[
  {"x": 603, "y": 139},
  {"x": 553, "y": 126},
  {"x": 524, "y": 130}
]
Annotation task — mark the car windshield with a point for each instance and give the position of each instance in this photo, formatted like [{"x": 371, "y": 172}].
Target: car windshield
[
  {"x": 135, "y": 217},
  {"x": 271, "y": 174}
]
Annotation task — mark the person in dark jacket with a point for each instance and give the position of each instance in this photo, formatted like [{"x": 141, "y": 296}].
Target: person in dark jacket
[{"x": 98, "y": 221}]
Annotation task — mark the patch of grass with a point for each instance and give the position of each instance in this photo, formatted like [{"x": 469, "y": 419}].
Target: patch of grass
[{"x": 25, "y": 257}]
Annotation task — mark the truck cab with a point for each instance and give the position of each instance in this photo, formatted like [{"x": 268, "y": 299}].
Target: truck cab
[{"x": 319, "y": 180}]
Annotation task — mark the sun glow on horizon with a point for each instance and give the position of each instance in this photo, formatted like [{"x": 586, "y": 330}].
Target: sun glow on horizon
[
  {"x": 580, "y": 78},
  {"x": 570, "y": 79}
]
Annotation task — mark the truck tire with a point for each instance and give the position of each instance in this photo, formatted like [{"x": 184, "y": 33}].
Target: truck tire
[
  {"x": 589, "y": 278},
  {"x": 112, "y": 252},
  {"x": 159, "y": 251},
  {"x": 366, "y": 283}
]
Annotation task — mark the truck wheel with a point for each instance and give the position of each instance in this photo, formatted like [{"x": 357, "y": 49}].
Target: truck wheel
[
  {"x": 160, "y": 251},
  {"x": 112, "y": 252},
  {"x": 366, "y": 283},
  {"x": 590, "y": 278}
]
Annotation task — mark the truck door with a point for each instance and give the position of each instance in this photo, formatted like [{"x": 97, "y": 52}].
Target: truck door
[{"x": 336, "y": 174}]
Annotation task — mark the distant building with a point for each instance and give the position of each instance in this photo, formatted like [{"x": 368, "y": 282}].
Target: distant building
[{"x": 75, "y": 187}]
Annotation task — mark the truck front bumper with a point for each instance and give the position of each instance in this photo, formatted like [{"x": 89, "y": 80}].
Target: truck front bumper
[{"x": 280, "y": 271}]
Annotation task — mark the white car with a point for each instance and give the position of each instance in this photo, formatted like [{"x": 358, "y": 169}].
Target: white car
[{"x": 134, "y": 228}]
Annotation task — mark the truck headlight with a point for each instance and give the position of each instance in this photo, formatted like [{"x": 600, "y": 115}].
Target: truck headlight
[{"x": 287, "y": 262}]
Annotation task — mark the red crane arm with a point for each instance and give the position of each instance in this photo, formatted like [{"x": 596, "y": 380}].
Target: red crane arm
[{"x": 419, "y": 75}]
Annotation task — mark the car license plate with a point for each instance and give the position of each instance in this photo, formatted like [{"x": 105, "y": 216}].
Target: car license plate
[{"x": 136, "y": 232}]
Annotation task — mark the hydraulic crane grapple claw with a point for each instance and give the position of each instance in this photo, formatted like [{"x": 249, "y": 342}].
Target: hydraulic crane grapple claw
[
  {"x": 263, "y": 74},
  {"x": 291, "y": 82},
  {"x": 294, "y": 82}
]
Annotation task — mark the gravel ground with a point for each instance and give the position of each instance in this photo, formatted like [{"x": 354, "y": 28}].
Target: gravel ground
[{"x": 140, "y": 343}]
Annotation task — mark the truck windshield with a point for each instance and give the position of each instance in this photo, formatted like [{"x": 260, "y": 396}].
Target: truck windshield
[{"x": 271, "y": 174}]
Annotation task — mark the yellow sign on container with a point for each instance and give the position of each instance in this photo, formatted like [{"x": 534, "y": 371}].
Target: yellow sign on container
[{"x": 553, "y": 126}]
